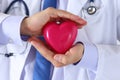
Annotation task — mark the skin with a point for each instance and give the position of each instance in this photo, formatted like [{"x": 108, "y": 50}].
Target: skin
[{"x": 33, "y": 25}]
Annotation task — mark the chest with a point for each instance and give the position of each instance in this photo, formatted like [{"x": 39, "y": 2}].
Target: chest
[
  {"x": 19, "y": 8},
  {"x": 101, "y": 22},
  {"x": 101, "y": 27}
]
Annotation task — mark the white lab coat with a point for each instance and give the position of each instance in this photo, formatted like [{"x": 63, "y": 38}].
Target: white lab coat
[{"x": 102, "y": 29}]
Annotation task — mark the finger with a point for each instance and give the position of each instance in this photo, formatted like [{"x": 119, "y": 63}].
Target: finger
[
  {"x": 71, "y": 16},
  {"x": 77, "y": 52},
  {"x": 40, "y": 46},
  {"x": 64, "y": 59},
  {"x": 71, "y": 56},
  {"x": 55, "y": 13},
  {"x": 57, "y": 64},
  {"x": 44, "y": 51}
]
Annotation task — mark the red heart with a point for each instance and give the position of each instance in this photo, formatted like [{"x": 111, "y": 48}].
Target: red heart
[{"x": 60, "y": 37}]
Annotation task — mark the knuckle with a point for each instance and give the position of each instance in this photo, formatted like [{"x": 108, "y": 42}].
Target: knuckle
[
  {"x": 71, "y": 17},
  {"x": 48, "y": 57},
  {"x": 50, "y": 9},
  {"x": 58, "y": 65},
  {"x": 65, "y": 61}
]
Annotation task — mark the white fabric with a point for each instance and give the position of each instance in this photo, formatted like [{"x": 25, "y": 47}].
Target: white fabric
[
  {"x": 102, "y": 30},
  {"x": 2, "y": 17},
  {"x": 11, "y": 33}
]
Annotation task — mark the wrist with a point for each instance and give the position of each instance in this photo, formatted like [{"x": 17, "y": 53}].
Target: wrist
[
  {"x": 81, "y": 47},
  {"x": 24, "y": 30}
]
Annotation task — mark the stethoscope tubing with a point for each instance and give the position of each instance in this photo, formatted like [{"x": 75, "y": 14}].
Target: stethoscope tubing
[
  {"x": 91, "y": 0},
  {"x": 27, "y": 9},
  {"x": 15, "y": 1}
]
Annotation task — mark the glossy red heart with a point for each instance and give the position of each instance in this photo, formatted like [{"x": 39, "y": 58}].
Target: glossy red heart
[{"x": 60, "y": 36}]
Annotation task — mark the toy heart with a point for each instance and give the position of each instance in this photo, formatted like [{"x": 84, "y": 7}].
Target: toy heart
[{"x": 60, "y": 36}]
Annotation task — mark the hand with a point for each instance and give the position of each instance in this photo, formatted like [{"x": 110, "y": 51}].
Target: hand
[
  {"x": 73, "y": 55},
  {"x": 34, "y": 24}
]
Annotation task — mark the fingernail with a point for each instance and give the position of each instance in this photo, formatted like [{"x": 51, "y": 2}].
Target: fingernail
[
  {"x": 32, "y": 42},
  {"x": 57, "y": 58},
  {"x": 76, "y": 17},
  {"x": 29, "y": 40},
  {"x": 82, "y": 21}
]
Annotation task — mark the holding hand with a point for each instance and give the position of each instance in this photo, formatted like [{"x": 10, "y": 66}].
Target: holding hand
[
  {"x": 34, "y": 24},
  {"x": 73, "y": 55}
]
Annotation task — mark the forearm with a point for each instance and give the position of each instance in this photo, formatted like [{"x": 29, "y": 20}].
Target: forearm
[{"x": 24, "y": 29}]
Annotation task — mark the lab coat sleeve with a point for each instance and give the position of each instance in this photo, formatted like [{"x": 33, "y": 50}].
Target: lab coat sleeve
[
  {"x": 109, "y": 57},
  {"x": 89, "y": 60},
  {"x": 107, "y": 66},
  {"x": 108, "y": 63},
  {"x": 10, "y": 29},
  {"x": 118, "y": 21}
]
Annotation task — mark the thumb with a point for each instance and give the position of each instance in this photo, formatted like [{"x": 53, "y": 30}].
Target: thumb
[
  {"x": 62, "y": 58},
  {"x": 82, "y": 23}
]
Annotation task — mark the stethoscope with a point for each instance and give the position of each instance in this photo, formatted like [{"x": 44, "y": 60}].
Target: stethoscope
[
  {"x": 7, "y": 11},
  {"x": 20, "y": 1},
  {"x": 91, "y": 9}
]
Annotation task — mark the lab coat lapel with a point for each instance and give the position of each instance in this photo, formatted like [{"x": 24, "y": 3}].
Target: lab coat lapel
[
  {"x": 75, "y": 72},
  {"x": 75, "y": 6},
  {"x": 4, "y": 64},
  {"x": 3, "y": 16},
  {"x": 4, "y": 68},
  {"x": 17, "y": 64}
]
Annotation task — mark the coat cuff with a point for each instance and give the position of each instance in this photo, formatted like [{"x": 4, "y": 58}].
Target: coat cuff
[
  {"x": 11, "y": 29},
  {"x": 90, "y": 57}
]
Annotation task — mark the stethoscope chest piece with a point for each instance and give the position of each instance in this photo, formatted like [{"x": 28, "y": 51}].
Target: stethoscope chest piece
[{"x": 91, "y": 10}]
